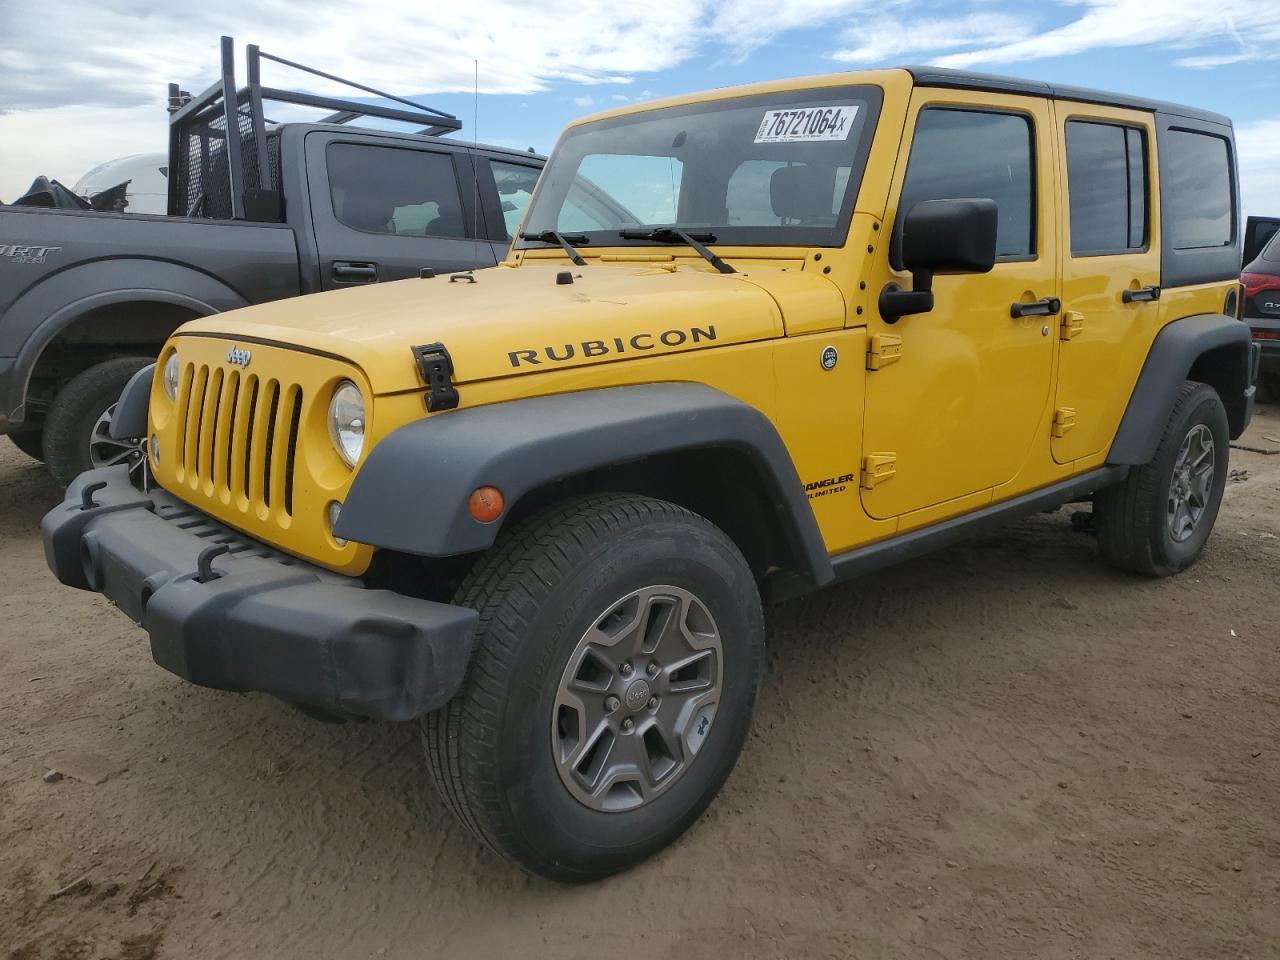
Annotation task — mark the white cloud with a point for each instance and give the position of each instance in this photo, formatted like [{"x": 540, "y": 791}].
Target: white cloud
[
  {"x": 584, "y": 101},
  {"x": 746, "y": 25},
  {"x": 1251, "y": 28},
  {"x": 620, "y": 97},
  {"x": 882, "y": 38},
  {"x": 1258, "y": 145}
]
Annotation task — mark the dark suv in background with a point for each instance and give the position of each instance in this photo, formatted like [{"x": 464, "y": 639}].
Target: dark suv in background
[{"x": 1261, "y": 279}]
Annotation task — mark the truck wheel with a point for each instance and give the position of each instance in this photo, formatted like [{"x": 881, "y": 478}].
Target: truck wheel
[
  {"x": 1156, "y": 522},
  {"x": 29, "y": 442},
  {"x": 620, "y": 647},
  {"x": 76, "y": 430}
]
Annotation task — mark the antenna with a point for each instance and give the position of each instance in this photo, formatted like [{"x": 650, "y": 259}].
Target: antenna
[
  {"x": 469, "y": 275},
  {"x": 475, "y": 145}
]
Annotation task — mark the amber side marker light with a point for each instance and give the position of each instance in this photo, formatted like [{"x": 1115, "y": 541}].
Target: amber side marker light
[{"x": 486, "y": 504}]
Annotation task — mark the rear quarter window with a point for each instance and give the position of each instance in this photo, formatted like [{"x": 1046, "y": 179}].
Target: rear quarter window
[{"x": 1198, "y": 188}]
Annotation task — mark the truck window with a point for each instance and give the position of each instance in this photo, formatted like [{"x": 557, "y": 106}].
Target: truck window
[
  {"x": 391, "y": 190},
  {"x": 1197, "y": 170},
  {"x": 982, "y": 154},
  {"x": 1106, "y": 187},
  {"x": 515, "y": 183}
]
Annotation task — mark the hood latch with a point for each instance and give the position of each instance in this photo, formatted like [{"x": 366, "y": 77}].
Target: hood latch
[{"x": 435, "y": 366}]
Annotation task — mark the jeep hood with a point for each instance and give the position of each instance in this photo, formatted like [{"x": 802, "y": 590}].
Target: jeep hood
[{"x": 513, "y": 321}]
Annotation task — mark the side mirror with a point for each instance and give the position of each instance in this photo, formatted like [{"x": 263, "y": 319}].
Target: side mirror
[{"x": 940, "y": 236}]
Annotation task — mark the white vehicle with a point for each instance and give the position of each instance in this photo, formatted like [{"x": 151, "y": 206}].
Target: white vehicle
[{"x": 146, "y": 180}]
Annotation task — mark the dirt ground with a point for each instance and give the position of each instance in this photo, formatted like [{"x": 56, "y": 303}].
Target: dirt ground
[{"x": 1006, "y": 750}]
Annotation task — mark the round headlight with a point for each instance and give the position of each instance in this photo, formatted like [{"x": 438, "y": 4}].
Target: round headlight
[
  {"x": 346, "y": 422},
  {"x": 171, "y": 372}
]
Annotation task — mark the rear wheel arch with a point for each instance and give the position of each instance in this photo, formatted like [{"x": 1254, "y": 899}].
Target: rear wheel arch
[{"x": 1208, "y": 348}]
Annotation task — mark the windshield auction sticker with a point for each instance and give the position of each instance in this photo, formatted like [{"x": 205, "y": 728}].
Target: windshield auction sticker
[{"x": 807, "y": 124}]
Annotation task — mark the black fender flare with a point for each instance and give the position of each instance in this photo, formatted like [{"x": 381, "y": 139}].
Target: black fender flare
[
  {"x": 1176, "y": 351},
  {"x": 130, "y": 419},
  {"x": 411, "y": 493}
]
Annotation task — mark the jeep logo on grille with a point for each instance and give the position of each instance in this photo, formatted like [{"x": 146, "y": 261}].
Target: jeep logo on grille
[{"x": 238, "y": 357}]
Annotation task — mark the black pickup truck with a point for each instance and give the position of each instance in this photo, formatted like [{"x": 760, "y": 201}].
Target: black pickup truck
[{"x": 87, "y": 298}]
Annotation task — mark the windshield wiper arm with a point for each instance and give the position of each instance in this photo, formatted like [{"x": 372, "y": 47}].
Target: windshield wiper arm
[
  {"x": 672, "y": 235},
  {"x": 554, "y": 236}
]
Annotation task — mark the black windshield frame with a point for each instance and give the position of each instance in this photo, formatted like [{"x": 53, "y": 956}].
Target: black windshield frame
[{"x": 871, "y": 98}]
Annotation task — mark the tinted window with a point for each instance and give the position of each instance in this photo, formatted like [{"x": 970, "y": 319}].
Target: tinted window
[
  {"x": 1272, "y": 250},
  {"x": 1106, "y": 185},
  {"x": 962, "y": 154},
  {"x": 388, "y": 190},
  {"x": 515, "y": 183},
  {"x": 1196, "y": 177}
]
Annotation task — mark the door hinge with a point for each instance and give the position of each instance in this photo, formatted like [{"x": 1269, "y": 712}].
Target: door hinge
[
  {"x": 1064, "y": 418},
  {"x": 435, "y": 366},
  {"x": 1072, "y": 324},
  {"x": 877, "y": 468},
  {"x": 883, "y": 349}
]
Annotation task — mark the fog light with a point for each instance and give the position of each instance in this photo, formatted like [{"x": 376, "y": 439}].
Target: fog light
[
  {"x": 335, "y": 511},
  {"x": 486, "y": 504},
  {"x": 155, "y": 450}
]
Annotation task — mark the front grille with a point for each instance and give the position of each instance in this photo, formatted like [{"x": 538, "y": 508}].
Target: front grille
[{"x": 237, "y": 436}]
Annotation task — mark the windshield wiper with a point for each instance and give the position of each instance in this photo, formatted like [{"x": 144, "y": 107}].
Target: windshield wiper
[
  {"x": 554, "y": 236},
  {"x": 672, "y": 235}
]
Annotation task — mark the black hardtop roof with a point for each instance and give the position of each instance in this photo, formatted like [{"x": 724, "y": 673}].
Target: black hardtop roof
[
  {"x": 964, "y": 80},
  {"x": 357, "y": 130}
]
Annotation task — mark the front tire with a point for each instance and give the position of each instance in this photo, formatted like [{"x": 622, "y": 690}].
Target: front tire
[
  {"x": 620, "y": 648},
  {"x": 75, "y": 430},
  {"x": 1157, "y": 521}
]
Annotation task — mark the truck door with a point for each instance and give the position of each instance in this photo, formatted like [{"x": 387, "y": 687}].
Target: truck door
[
  {"x": 384, "y": 210},
  {"x": 1110, "y": 272},
  {"x": 959, "y": 409}
]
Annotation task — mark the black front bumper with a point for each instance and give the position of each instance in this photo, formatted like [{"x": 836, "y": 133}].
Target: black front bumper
[{"x": 257, "y": 620}]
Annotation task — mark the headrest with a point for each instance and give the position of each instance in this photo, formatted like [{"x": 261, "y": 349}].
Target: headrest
[{"x": 798, "y": 193}]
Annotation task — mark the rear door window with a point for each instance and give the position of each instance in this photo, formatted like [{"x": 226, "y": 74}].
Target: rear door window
[
  {"x": 1196, "y": 173},
  {"x": 1106, "y": 187},
  {"x": 395, "y": 191},
  {"x": 976, "y": 154}
]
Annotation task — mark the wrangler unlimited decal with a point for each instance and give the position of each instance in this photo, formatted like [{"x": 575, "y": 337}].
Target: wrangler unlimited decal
[
  {"x": 824, "y": 488},
  {"x": 599, "y": 348}
]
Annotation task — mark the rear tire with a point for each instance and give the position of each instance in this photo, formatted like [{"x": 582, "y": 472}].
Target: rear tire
[
  {"x": 70, "y": 444},
  {"x": 558, "y": 757},
  {"x": 29, "y": 442},
  {"x": 1157, "y": 521}
]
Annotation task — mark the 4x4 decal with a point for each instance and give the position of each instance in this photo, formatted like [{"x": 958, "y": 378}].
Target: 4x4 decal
[{"x": 25, "y": 253}]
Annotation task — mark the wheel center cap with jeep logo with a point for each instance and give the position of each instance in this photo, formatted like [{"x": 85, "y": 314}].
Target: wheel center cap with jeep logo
[
  {"x": 637, "y": 695},
  {"x": 238, "y": 357}
]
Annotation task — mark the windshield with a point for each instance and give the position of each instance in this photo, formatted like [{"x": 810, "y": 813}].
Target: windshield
[{"x": 768, "y": 170}]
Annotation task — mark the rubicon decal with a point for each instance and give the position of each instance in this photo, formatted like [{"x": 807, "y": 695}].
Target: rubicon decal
[
  {"x": 827, "y": 486},
  {"x": 636, "y": 343}
]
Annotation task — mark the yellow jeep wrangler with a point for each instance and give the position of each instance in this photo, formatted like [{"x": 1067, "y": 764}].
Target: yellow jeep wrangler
[{"x": 748, "y": 342}]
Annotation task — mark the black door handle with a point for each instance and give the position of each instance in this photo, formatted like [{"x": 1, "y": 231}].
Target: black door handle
[
  {"x": 1036, "y": 308},
  {"x": 1141, "y": 295},
  {"x": 350, "y": 272}
]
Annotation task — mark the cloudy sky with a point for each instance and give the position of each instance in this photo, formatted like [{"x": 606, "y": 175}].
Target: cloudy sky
[{"x": 82, "y": 81}]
